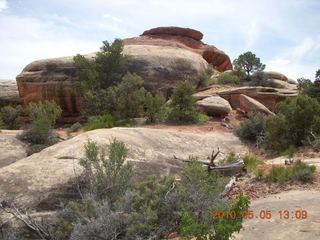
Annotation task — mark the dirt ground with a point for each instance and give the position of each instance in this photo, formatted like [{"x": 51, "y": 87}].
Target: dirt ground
[{"x": 291, "y": 228}]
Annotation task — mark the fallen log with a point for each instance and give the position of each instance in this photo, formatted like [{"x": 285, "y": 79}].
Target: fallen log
[{"x": 231, "y": 169}]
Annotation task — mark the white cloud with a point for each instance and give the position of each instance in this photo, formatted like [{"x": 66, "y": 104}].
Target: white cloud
[
  {"x": 113, "y": 18},
  {"x": 3, "y": 5},
  {"x": 309, "y": 45}
]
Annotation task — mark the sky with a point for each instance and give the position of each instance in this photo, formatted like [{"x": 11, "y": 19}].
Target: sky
[{"x": 284, "y": 34}]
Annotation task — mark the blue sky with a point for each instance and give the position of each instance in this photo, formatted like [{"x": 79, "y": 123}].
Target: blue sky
[{"x": 285, "y": 34}]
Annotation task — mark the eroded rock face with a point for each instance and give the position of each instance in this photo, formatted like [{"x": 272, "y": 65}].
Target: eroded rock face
[
  {"x": 40, "y": 176},
  {"x": 276, "y": 75},
  {"x": 248, "y": 105},
  {"x": 214, "y": 106},
  {"x": 9, "y": 94}
]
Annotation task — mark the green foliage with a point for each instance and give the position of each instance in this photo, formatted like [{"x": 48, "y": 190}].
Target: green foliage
[
  {"x": 189, "y": 227},
  {"x": 183, "y": 103},
  {"x": 251, "y": 128},
  {"x": 201, "y": 118},
  {"x": 155, "y": 107},
  {"x": 261, "y": 79},
  {"x": 205, "y": 77},
  {"x": 309, "y": 88},
  {"x": 2, "y": 125},
  {"x": 10, "y": 117},
  {"x": 225, "y": 227},
  {"x": 289, "y": 151},
  {"x": 300, "y": 171},
  {"x": 74, "y": 127},
  {"x": 96, "y": 122},
  {"x": 43, "y": 116},
  {"x": 228, "y": 78},
  {"x": 106, "y": 177},
  {"x": 123, "y": 101},
  {"x": 34, "y": 148},
  {"x": 260, "y": 173},
  {"x": 230, "y": 159},
  {"x": 295, "y": 120},
  {"x": 249, "y": 63},
  {"x": 251, "y": 162},
  {"x": 106, "y": 69}
]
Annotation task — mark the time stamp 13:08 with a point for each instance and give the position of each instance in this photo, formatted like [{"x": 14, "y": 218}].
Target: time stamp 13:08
[{"x": 262, "y": 214}]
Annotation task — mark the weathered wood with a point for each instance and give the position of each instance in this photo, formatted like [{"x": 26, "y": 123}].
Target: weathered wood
[{"x": 225, "y": 170}]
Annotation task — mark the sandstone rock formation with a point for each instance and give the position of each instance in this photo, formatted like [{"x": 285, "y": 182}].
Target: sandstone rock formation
[
  {"x": 183, "y": 38},
  {"x": 276, "y": 75},
  {"x": 268, "y": 96},
  {"x": 42, "y": 176},
  {"x": 248, "y": 104},
  {"x": 9, "y": 94},
  {"x": 282, "y": 84},
  {"x": 11, "y": 148},
  {"x": 214, "y": 106},
  {"x": 162, "y": 56}
]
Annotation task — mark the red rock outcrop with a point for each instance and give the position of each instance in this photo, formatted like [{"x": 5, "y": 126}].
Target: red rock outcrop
[{"x": 183, "y": 38}]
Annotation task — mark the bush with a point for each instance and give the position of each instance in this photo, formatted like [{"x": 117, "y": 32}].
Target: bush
[
  {"x": 11, "y": 117},
  {"x": 260, "y": 79},
  {"x": 183, "y": 103},
  {"x": 96, "y": 122},
  {"x": 260, "y": 173},
  {"x": 43, "y": 116},
  {"x": 106, "y": 177},
  {"x": 123, "y": 101},
  {"x": 2, "y": 125},
  {"x": 309, "y": 88},
  {"x": 205, "y": 77},
  {"x": 155, "y": 107},
  {"x": 289, "y": 151},
  {"x": 294, "y": 123},
  {"x": 228, "y": 78},
  {"x": 251, "y": 128},
  {"x": 248, "y": 63},
  {"x": 251, "y": 162},
  {"x": 106, "y": 69},
  {"x": 300, "y": 171},
  {"x": 35, "y": 148},
  {"x": 74, "y": 127}
]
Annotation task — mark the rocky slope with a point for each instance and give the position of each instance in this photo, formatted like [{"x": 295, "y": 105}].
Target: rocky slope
[
  {"x": 42, "y": 177},
  {"x": 9, "y": 94}
]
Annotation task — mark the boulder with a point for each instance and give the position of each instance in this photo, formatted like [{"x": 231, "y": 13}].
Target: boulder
[
  {"x": 214, "y": 106},
  {"x": 248, "y": 104},
  {"x": 11, "y": 148},
  {"x": 292, "y": 81},
  {"x": 276, "y": 75},
  {"x": 268, "y": 96},
  {"x": 41, "y": 177},
  {"x": 9, "y": 94}
]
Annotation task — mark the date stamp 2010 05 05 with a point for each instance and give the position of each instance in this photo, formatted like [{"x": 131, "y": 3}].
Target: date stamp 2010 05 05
[{"x": 262, "y": 214}]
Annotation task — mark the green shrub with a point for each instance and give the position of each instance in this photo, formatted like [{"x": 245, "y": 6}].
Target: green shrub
[
  {"x": 230, "y": 159},
  {"x": 249, "y": 63},
  {"x": 106, "y": 177},
  {"x": 228, "y": 78},
  {"x": 260, "y": 173},
  {"x": 74, "y": 127},
  {"x": 303, "y": 172},
  {"x": 300, "y": 171},
  {"x": 11, "y": 117},
  {"x": 289, "y": 151},
  {"x": 155, "y": 107},
  {"x": 96, "y": 122},
  {"x": 106, "y": 69},
  {"x": 251, "y": 128},
  {"x": 35, "y": 148},
  {"x": 294, "y": 123},
  {"x": 278, "y": 174},
  {"x": 309, "y": 88},
  {"x": 260, "y": 79},
  {"x": 205, "y": 77},
  {"x": 183, "y": 103},
  {"x": 2, "y": 125},
  {"x": 43, "y": 116},
  {"x": 251, "y": 162}
]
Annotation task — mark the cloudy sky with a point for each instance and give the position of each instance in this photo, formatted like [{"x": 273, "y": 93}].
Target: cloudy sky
[{"x": 285, "y": 34}]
